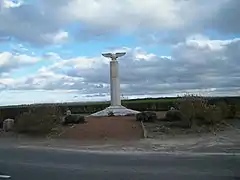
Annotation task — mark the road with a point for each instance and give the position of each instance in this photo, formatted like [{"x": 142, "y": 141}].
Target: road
[{"x": 47, "y": 164}]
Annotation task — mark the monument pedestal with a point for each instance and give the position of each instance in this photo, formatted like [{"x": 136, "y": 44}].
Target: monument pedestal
[{"x": 116, "y": 110}]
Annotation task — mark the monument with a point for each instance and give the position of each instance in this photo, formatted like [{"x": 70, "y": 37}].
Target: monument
[{"x": 116, "y": 108}]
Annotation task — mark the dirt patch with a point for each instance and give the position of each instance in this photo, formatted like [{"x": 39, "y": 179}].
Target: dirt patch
[
  {"x": 106, "y": 128},
  {"x": 159, "y": 129}
]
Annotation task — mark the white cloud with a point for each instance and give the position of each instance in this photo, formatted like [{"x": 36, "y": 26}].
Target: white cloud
[
  {"x": 10, "y": 4},
  {"x": 42, "y": 22},
  {"x": 32, "y": 22},
  {"x": 51, "y": 56},
  {"x": 126, "y": 14},
  {"x": 204, "y": 65},
  {"x": 9, "y": 61},
  {"x": 6, "y": 81},
  {"x": 56, "y": 38}
]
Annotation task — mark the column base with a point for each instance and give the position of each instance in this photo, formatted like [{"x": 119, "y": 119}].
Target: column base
[{"x": 117, "y": 111}]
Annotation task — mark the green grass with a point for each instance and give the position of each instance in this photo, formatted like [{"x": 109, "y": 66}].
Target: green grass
[{"x": 149, "y": 100}]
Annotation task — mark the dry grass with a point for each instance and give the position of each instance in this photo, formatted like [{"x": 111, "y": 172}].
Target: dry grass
[
  {"x": 198, "y": 113},
  {"x": 38, "y": 121},
  {"x": 196, "y": 110}
]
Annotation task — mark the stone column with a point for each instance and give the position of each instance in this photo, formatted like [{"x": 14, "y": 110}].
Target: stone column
[{"x": 114, "y": 83}]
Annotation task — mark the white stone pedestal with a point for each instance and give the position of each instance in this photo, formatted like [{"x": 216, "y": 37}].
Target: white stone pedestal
[{"x": 117, "y": 111}]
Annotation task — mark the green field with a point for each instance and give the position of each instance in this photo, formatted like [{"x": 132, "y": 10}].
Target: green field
[{"x": 146, "y": 100}]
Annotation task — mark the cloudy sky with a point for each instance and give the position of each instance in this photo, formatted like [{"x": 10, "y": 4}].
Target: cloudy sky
[{"x": 50, "y": 50}]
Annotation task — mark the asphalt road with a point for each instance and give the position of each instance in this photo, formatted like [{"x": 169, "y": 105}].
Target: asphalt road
[{"x": 49, "y": 164}]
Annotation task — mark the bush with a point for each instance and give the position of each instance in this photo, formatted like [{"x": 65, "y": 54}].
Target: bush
[
  {"x": 186, "y": 107},
  {"x": 73, "y": 119},
  {"x": 146, "y": 116},
  {"x": 38, "y": 120},
  {"x": 140, "y": 117},
  {"x": 174, "y": 115},
  {"x": 196, "y": 110},
  {"x": 232, "y": 111},
  {"x": 1, "y": 124},
  {"x": 212, "y": 115},
  {"x": 225, "y": 109}
]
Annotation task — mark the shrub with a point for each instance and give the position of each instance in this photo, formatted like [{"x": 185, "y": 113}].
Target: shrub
[
  {"x": 196, "y": 110},
  {"x": 150, "y": 116},
  {"x": 186, "y": 107},
  {"x": 232, "y": 111},
  {"x": 1, "y": 123},
  {"x": 146, "y": 116},
  {"x": 174, "y": 115},
  {"x": 38, "y": 120},
  {"x": 228, "y": 110},
  {"x": 140, "y": 117},
  {"x": 212, "y": 115},
  {"x": 225, "y": 109},
  {"x": 81, "y": 119},
  {"x": 73, "y": 119}
]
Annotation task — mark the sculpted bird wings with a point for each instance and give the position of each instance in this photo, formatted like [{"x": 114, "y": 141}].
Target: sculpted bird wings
[
  {"x": 108, "y": 55},
  {"x": 114, "y": 55},
  {"x": 120, "y": 54}
]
